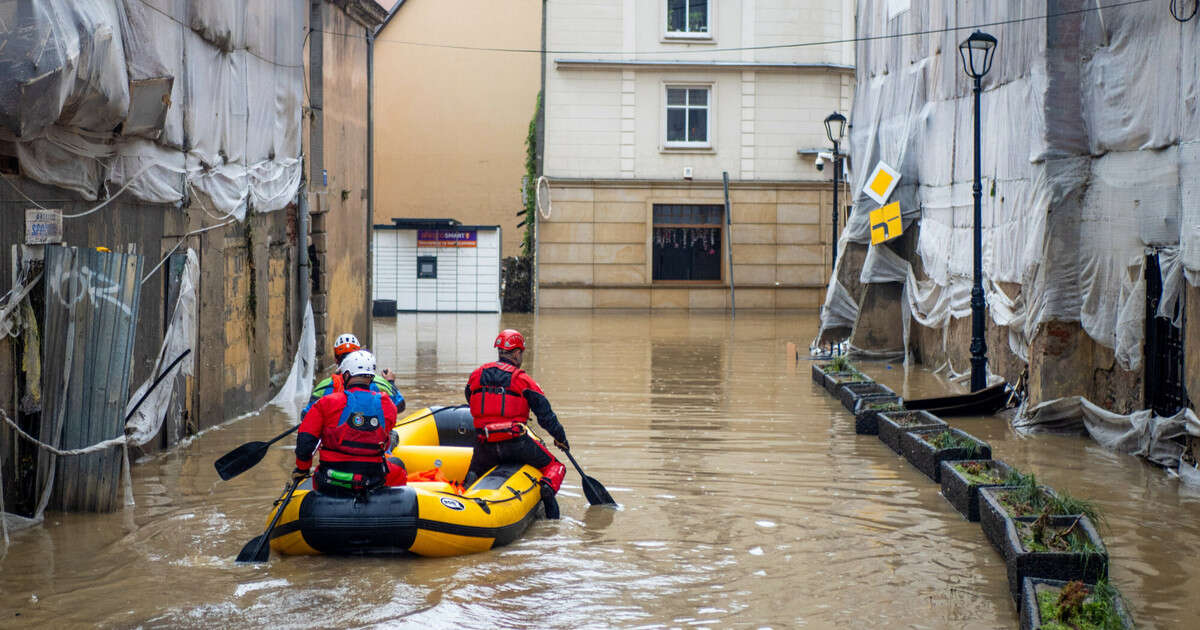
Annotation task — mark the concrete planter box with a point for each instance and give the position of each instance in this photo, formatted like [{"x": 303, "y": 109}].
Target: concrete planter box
[
  {"x": 963, "y": 493},
  {"x": 866, "y": 415},
  {"x": 1031, "y": 614},
  {"x": 893, "y": 424},
  {"x": 1085, "y": 566},
  {"x": 851, "y": 393},
  {"x": 993, "y": 517},
  {"x": 928, "y": 458},
  {"x": 834, "y": 380}
]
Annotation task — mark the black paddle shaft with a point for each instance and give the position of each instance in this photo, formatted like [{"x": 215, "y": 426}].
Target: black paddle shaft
[
  {"x": 244, "y": 457},
  {"x": 595, "y": 491},
  {"x": 259, "y": 547}
]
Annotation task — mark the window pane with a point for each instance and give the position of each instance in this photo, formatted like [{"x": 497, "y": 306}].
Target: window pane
[
  {"x": 698, "y": 97},
  {"x": 676, "y": 15},
  {"x": 698, "y": 16},
  {"x": 676, "y": 97},
  {"x": 676, "y": 125},
  {"x": 697, "y": 125}
]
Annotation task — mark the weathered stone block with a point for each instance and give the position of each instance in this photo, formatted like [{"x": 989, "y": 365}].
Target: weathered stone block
[
  {"x": 880, "y": 327},
  {"x": 754, "y": 254},
  {"x": 621, "y": 274},
  {"x": 669, "y": 298},
  {"x": 565, "y": 274},
  {"x": 571, "y": 211},
  {"x": 799, "y": 234},
  {"x": 565, "y": 298},
  {"x": 798, "y": 213},
  {"x": 754, "y": 213},
  {"x": 803, "y": 275},
  {"x": 750, "y": 233},
  {"x": 561, "y": 193},
  {"x": 708, "y": 298},
  {"x": 621, "y": 298},
  {"x": 578, "y": 253},
  {"x": 745, "y": 275},
  {"x": 800, "y": 255},
  {"x": 620, "y": 233},
  {"x": 620, "y": 212},
  {"x": 740, "y": 196},
  {"x": 607, "y": 253},
  {"x": 551, "y": 232}
]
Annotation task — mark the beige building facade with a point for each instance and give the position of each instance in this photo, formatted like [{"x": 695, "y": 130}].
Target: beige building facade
[
  {"x": 655, "y": 102},
  {"x": 451, "y": 123}
]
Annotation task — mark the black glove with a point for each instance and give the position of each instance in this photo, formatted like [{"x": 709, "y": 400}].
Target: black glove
[
  {"x": 562, "y": 444},
  {"x": 298, "y": 475}
]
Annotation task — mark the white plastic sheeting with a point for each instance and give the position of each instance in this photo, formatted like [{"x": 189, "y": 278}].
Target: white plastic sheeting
[
  {"x": 1141, "y": 433},
  {"x": 299, "y": 385},
  {"x": 144, "y": 424},
  {"x": 1089, "y": 127},
  {"x": 232, "y": 126}
]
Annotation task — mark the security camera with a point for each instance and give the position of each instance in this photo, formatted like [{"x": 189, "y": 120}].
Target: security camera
[{"x": 821, "y": 157}]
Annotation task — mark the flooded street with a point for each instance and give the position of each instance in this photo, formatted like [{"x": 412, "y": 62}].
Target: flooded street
[{"x": 747, "y": 500}]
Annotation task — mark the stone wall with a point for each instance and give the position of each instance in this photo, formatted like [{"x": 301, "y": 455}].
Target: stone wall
[{"x": 596, "y": 249}]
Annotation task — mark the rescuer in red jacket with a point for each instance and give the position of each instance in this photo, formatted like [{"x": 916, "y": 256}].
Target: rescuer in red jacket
[
  {"x": 352, "y": 427},
  {"x": 501, "y": 395}
]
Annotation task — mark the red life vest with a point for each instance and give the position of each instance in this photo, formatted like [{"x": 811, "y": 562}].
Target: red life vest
[
  {"x": 497, "y": 401},
  {"x": 361, "y": 430}
]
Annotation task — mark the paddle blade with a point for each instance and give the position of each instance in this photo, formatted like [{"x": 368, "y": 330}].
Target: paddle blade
[
  {"x": 240, "y": 459},
  {"x": 257, "y": 550},
  {"x": 596, "y": 493}
]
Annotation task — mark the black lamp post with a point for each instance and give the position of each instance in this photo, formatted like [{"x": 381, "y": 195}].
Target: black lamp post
[
  {"x": 835, "y": 128},
  {"x": 976, "y": 52}
]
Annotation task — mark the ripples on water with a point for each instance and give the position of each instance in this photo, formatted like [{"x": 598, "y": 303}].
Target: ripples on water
[{"x": 746, "y": 501}]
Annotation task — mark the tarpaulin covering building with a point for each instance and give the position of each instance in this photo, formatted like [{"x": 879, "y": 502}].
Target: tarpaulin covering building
[
  {"x": 161, "y": 96},
  {"x": 1091, "y": 206}
]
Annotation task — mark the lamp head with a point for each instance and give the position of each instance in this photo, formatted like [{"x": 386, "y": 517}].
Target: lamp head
[
  {"x": 976, "y": 52},
  {"x": 835, "y": 126}
]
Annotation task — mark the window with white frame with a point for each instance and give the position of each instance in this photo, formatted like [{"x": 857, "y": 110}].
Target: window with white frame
[
  {"x": 687, "y": 116},
  {"x": 688, "y": 17}
]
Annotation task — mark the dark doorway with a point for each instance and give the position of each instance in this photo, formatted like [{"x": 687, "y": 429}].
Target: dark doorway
[{"x": 1165, "y": 391}]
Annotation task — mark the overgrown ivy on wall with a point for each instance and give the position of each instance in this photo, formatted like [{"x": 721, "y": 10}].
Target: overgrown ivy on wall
[{"x": 531, "y": 176}]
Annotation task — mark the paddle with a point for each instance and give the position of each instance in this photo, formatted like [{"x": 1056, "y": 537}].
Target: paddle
[
  {"x": 259, "y": 548},
  {"x": 594, "y": 490},
  {"x": 244, "y": 457}
]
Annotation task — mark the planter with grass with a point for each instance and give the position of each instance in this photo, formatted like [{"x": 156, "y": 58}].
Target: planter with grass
[
  {"x": 893, "y": 424},
  {"x": 1060, "y": 605},
  {"x": 1022, "y": 496},
  {"x": 851, "y": 393},
  {"x": 1053, "y": 547},
  {"x": 962, "y": 479},
  {"x": 926, "y": 449},
  {"x": 866, "y": 416},
  {"x": 835, "y": 380},
  {"x": 838, "y": 365}
]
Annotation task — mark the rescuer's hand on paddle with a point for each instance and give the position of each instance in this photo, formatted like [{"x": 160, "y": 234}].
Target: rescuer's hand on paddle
[
  {"x": 562, "y": 445},
  {"x": 298, "y": 475}
]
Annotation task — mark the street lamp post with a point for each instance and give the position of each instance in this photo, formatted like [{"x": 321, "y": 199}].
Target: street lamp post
[
  {"x": 976, "y": 52},
  {"x": 835, "y": 128}
]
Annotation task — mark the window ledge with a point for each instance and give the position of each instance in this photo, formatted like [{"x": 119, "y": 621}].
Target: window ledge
[
  {"x": 700, "y": 38},
  {"x": 668, "y": 148}
]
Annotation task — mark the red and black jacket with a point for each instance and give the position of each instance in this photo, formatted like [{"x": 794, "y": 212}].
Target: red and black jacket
[
  {"x": 502, "y": 392},
  {"x": 352, "y": 428}
]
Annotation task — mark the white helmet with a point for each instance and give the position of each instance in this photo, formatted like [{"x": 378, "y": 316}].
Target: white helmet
[
  {"x": 346, "y": 343},
  {"x": 358, "y": 363}
]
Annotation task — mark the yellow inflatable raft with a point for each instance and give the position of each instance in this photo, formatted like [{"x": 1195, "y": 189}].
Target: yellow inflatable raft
[{"x": 428, "y": 518}]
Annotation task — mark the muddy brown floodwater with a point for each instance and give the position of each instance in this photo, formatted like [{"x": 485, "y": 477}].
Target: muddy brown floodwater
[{"x": 747, "y": 500}]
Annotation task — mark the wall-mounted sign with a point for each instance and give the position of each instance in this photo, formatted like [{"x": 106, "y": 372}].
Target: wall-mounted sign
[
  {"x": 43, "y": 227},
  {"x": 881, "y": 183},
  {"x": 446, "y": 238},
  {"x": 885, "y": 223}
]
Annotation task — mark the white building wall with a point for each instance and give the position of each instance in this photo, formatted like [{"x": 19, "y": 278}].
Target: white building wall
[{"x": 610, "y": 123}]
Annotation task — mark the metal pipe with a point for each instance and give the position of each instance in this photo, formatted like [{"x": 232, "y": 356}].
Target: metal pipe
[
  {"x": 729, "y": 245},
  {"x": 370, "y": 182},
  {"x": 836, "y": 184},
  {"x": 978, "y": 344}
]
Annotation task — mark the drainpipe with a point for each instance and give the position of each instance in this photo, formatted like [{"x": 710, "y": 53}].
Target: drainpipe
[{"x": 370, "y": 181}]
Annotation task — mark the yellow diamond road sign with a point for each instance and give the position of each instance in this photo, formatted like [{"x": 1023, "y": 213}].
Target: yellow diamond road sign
[
  {"x": 881, "y": 183},
  {"x": 885, "y": 223}
]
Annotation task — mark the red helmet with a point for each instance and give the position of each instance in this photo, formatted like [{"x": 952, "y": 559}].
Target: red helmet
[{"x": 509, "y": 340}]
